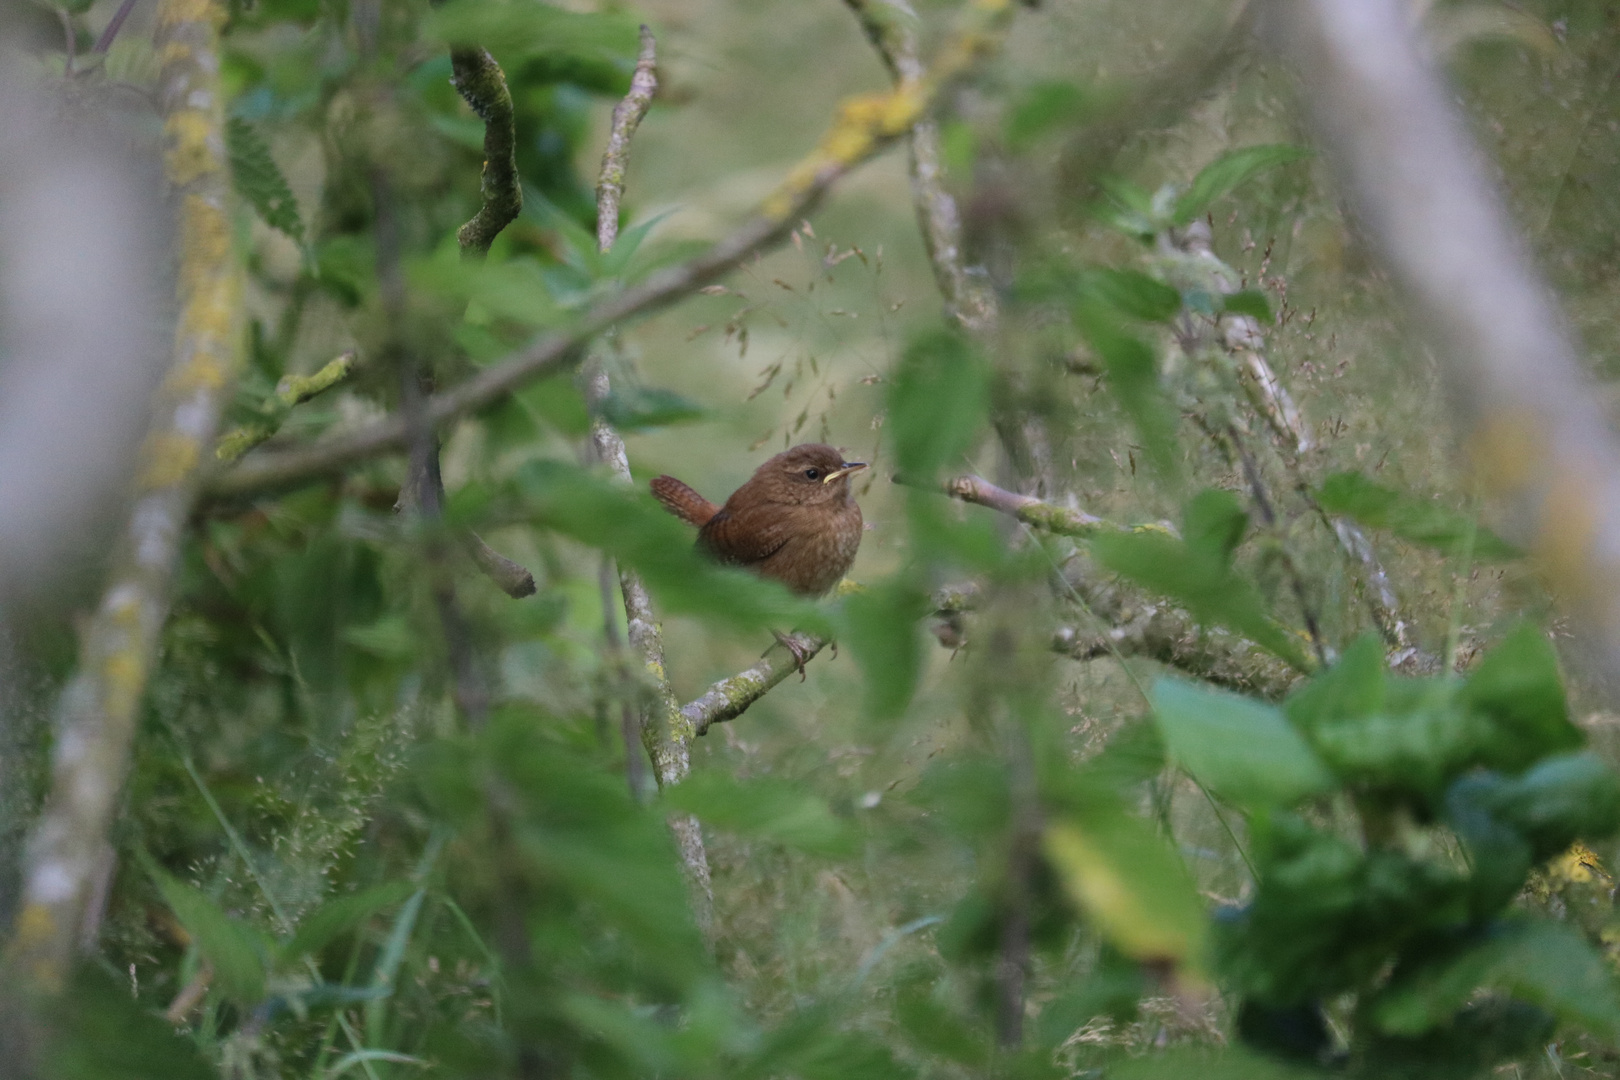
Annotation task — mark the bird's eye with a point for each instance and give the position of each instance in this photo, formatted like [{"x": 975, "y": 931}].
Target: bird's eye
[{"x": 812, "y": 474}]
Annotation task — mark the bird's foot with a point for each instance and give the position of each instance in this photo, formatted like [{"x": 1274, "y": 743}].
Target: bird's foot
[{"x": 799, "y": 655}]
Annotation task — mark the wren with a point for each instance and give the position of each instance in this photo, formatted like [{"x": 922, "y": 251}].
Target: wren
[{"x": 795, "y": 520}]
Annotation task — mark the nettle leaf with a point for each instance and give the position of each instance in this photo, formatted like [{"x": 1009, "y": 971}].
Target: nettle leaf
[
  {"x": 1231, "y": 169},
  {"x": 882, "y": 630},
  {"x": 1044, "y": 106},
  {"x": 259, "y": 181},
  {"x": 1245, "y": 751},
  {"x": 518, "y": 33},
  {"x": 1517, "y": 685},
  {"x": 97, "y": 1031},
  {"x": 1352, "y": 495},
  {"x": 638, "y": 408},
  {"x": 1543, "y": 963},
  {"x": 1133, "y": 377},
  {"x": 1124, "y": 876},
  {"x": 1197, "y": 574},
  {"x": 1133, "y": 293},
  {"x": 512, "y": 290},
  {"x": 937, "y": 402},
  {"x": 338, "y": 916},
  {"x": 1352, "y": 688},
  {"x": 1250, "y": 302},
  {"x": 773, "y": 810},
  {"x": 1560, "y": 800},
  {"x": 236, "y": 950}
]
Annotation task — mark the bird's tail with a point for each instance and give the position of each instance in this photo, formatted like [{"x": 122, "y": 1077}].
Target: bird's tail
[{"x": 682, "y": 501}]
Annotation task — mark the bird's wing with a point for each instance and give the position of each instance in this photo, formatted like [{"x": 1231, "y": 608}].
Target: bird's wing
[
  {"x": 682, "y": 501},
  {"x": 745, "y": 536}
]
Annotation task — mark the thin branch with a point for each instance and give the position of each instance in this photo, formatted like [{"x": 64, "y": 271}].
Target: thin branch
[
  {"x": 730, "y": 698},
  {"x": 483, "y": 86},
  {"x": 865, "y": 126},
  {"x": 104, "y": 42},
  {"x": 627, "y": 116},
  {"x": 291, "y": 391},
  {"x": 96, "y": 717},
  {"x": 1034, "y": 512}
]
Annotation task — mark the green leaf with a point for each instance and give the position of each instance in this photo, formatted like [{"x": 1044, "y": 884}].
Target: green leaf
[
  {"x": 1517, "y": 685},
  {"x": 339, "y": 916},
  {"x": 1562, "y": 799},
  {"x": 1349, "y": 690},
  {"x": 389, "y": 637},
  {"x": 1227, "y": 172},
  {"x": 513, "y": 290},
  {"x": 936, "y": 1029},
  {"x": 1188, "y": 1063},
  {"x": 98, "y": 1031},
  {"x": 1213, "y": 524},
  {"x": 1043, "y": 107},
  {"x": 1243, "y": 750},
  {"x": 1542, "y": 963},
  {"x": 1133, "y": 377},
  {"x": 235, "y": 949},
  {"x": 883, "y": 633},
  {"x": 520, "y": 32},
  {"x": 772, "y": 810},
  {"x": 1123, "y": 875},
  {"x": 259, "y": 181},
  {"x": 638, "y": 408},
  {"x": 1250, "y": 302},
  {"x": 1352, "y": 495},
  {"x": 937, "y": 402},
  {"x": 1133, "y": 293}
]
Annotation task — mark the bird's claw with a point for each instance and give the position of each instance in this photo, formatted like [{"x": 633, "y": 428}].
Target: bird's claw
[{"x": 799, "y": 655}]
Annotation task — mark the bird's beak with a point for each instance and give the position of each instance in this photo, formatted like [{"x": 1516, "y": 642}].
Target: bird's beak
[{"x": 843, "y": 470}]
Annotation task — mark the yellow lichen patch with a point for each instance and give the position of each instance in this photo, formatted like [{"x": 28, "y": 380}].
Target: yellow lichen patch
[
  {"x": 190, "y": 153},
  {"x": 172, "y": 13},
  {"x": 35, "y": 930},
  {"x": 1562, "y": 548},
  {"x": 1505, "y": 449},
  {"x": 205, "y": 239},
  {"x": 123, "y": 676},
  {"x": 168, "y": 458},
  {"x": 1579, "y": 865}
]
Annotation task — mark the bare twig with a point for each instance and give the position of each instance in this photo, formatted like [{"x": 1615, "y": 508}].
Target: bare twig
[
  {"x": 864, "y": 127},
  {"x": 97, "y": 712},
  {"x": 190, "y": 995},
  {"x": 627, "y": 116},
  {"x": 730, "y": 698},
  {"x": 115, "y": 24}
]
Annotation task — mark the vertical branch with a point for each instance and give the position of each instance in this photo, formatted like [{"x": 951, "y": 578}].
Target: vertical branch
[
  {"x": 97, "y": 713},
  {"x": 666, "y": 734},
  {"x": 483, "y": 86}
]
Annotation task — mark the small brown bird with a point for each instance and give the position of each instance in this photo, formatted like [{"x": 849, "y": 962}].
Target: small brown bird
[{"x": 794, "y": 521}]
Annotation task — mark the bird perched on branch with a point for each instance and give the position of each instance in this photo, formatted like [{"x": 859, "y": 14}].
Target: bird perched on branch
[{"x": 795, "y": 521}]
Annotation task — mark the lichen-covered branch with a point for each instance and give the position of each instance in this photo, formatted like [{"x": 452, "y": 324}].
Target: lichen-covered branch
[
  {"x": 730, "y": 698},
  {"x": 483, "y": 86},
  {"x": 1034, "y": 512},
  {"x": 627, "y": 116},
  {"x": 291, "y": 390},
  {"x": 97, "y": 713},
  {"x": 864, "y": 126}
]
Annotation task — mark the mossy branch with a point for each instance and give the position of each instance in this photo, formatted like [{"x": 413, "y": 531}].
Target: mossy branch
[
  {"x": 291, "y": 391},
  {"x": 864, "y": 127},
  {"x": 483, "y": 86},
  {"x": 97, "y": 713},
  {"x": 730, "y": 698}
]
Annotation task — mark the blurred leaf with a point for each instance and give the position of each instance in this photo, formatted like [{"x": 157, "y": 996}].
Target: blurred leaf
[
  {"x": 935, "y": 1029},
  {"x": 1132, "y": 293},
  {"x": 557, "y": 402},
  {"x": 1243, "y": 750},
  {"x": 390, "y": 637},
  {"x": 1133, "y": 377},
  {"x": 1518, "y": 686},
  {"x": 1197, "y": 574},
  {"x": 98, "y": 1031},
  {"x": 1228, "y": 171},
  {"x": 1560, "y": 800},
  {"x": 1043, "y": 107},
  {"x": 970, "y": 796},
  {"x": 1352, "y": 688},
  {"x": 259, "y": 181},
  {"x": 1125, "y": 878},
  {"x": 1542, "y": 963},
  {"x": 1250, "y": 302},
  {"x": 771, "y": 810},
  {"x": 516, "y": 32},
  {"x": 235, "y": 949},
  {"x": 937, "y": 403},
  {"x": 882, "y": 631},
  {"x": 1197, "y": 1063},
  {"x": 1354, "y": 496},
  {"x": 509, "y": 289},
  {"x": 339, "y": 916},
  {"x": 1213, "y": 523},
  {"x": 638, "y": 408}
]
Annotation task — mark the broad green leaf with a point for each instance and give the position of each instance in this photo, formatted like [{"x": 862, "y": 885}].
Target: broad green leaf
[
  {"x": 1518, "y": 686},
  {"x": 513, "y": 290},
  {"x": 259, "y": 181},
  {"x": 235, "y": 949},
  {"x": 390, "y": 637},
  {"x": 1352, "y": 495},
  {"x": 1189, "y": 1063},
  {"x": 1133, "y": 377},
  {"x": 1125, "y": 878},
  {"x": 1243, "y": 750},
  {"x": 339, "y": 916},
  {"x": 1562, "y": 799},
  {"x": 526, "y": 30},
  {"x": 1227, "y": 172},
  {"x": 1213, "y": 523},
  {"x": 98, "y": 1031},
  {"x": 937, "y": 402},
  {"x": 1133, "y": 293},
  {"x": 938, "y": 1030},
  {"x": 882, "y": 632},
  {"x": 1417, "y": 744},
  {"x": 1250, "y": 302},
  {"x": 638, "y": 408},
  {"x": 771, "y": 810},
  {"x": 1043, "y": 107},
  {"x": 1352, "y": 688},
  {"x": 1542, "y": 963}
]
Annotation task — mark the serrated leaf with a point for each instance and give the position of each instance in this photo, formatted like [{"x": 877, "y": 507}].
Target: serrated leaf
[
  {"x": 767, "y": 809},
  {"x": 1518, "y": 686},
  {"x": 882, "y": 632},
  {"x": 236, "y": 950},
  {"x": 1227, "y": 172},
  {"x": 1542, "y": 963},
  {"x": 339, "y": 916},
  {"x": 638, "y": 408},
  {"x": 258, "y": 180},
  {"x": 1124, "y": 876},
  {"x": 937, "y": 402},
  {"x": 1243, "y": 750},
  {"x": 1352, "y": 495},
  {"x": 1133, "y": 293},
  {"x": 1250, "y": 302}
]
